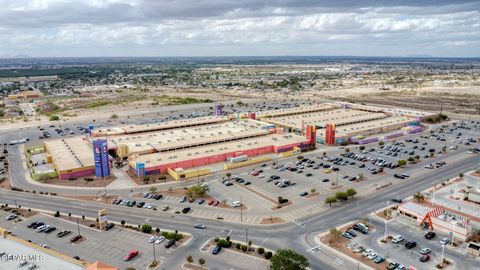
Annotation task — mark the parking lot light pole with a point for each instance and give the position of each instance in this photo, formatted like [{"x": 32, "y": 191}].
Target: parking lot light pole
[
  {"x": 443, "y": 251},
  {"x": 241, "y": 209},
  {"x": 453, "y": 232},
  {"x": 153, "y": 247}
]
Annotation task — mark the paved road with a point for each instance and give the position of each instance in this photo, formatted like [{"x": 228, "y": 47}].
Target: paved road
[{"x": 288, "y": 235}]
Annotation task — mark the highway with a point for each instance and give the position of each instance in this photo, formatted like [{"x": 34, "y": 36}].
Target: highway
[{"x": 291, "y": 235}]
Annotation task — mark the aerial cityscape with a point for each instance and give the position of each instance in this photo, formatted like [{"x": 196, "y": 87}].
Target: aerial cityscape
[{"x": 231, "y": 135}]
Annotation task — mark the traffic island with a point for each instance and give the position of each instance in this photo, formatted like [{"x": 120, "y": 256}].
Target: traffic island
[
  {"x": 272, "y": 220},
  {"x": 240, "y": 247}
]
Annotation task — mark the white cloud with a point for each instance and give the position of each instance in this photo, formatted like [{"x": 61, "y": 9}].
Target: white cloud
[{"x": 98, "y": 27}]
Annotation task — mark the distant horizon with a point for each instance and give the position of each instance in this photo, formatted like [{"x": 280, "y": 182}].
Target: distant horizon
[{"x": 240, "y": 56}]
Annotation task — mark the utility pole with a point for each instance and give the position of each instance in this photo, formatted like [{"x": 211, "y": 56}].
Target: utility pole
[{"x": 105, "y": 183}]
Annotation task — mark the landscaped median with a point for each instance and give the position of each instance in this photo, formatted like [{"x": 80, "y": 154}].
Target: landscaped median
[{"x": 278, "y": 260}]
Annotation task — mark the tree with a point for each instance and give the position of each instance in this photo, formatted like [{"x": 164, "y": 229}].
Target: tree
[
  {"x": 228, "y": 174},
  {"x": 347, "y": 150},
  {"x": 351, "y": 192},
  {"x": 288, "y": 259},
  {"x": 341, "y": 196},
  {"x": 146, "y": 228},
  {"x": 381, "y": 143},
  {"x": 153, "y": 190},
  {"x": 334, "y": 235},
  {"x": 460, "y": 175},
  {"x": 402, "y": 162},
  {"x": 197, "y": 191},
  {"x": 362, "y": 148},
  {"x": 122, "y": 222},
  {"x": 261, "y": 250},
  {"x": 190, "y": 259},
  {"x": 157, "y": 230},
  {"x": 268, "y": 255},
  {"x": 201, "y": 261},
  {"x": 114, "y": 116},
  {"x": 312, "y": 190},
  {"x": 419, "y": 197},
  {"x": 330, "y": 200}
]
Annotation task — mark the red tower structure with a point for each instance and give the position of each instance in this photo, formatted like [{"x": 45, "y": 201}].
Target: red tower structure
[
  {"x": 330, "y": 133},
  {"x": 311, "y": 135}
]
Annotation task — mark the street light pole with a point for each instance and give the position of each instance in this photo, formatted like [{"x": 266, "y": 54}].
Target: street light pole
[
  {"x": 443, "y": 251},
  {"x": 241, "y": 209},
  {"x": 453, "y": 233},
  {"x": 153, "y": 247}
]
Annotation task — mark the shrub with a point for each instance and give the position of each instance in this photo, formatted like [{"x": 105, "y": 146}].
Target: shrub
[
  {"x": 268, "y": 255},
  {"x": 146, "y": 228},
  {"x": 224, "y": 243},
  {"x": 261, "y": 251},
  {"x": 244, "y": 248},
  {"x": 238, "y": 245},
  {"x": 216, "y": 239},
  {"x": 57, "y": 214}
]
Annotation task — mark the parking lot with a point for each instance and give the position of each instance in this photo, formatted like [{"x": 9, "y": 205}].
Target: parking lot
[
  {"x": 108, "y": 246},
  {"x": 397, "y": 252}
]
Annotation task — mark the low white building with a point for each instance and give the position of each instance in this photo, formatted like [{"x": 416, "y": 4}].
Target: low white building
[{"x": 438, "y": 219}]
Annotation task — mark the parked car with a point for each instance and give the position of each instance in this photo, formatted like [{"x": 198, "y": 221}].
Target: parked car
[
  {"x": 109, "y": 226},
  {"x": 397, "y": 239},
  {"x": 216, "y": 250},
  {"x": 444, "y": 241},
  {"x": 303, "y": 194},
  {"x": 75, "y": 238},
  {"x": 11, "y": 217},
  {"x": 169, "y": 243},
  {"x": 410, "y": 244},
  {"x": 430, "y": 235},
  {"x": 425, "y": 258},
  {"x": 186, "y": 210},
  {"x": 347, "y": 235},
  {"x": 425, "y": 251}
]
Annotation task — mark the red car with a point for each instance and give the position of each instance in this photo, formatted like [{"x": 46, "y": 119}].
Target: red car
[
  {"x": 255, "y": 173},
  {"x": 425, "y": 258},
  {"x": 210, "y": 202},
  {"x": 132, "y": 254},
  {"x": 216, "y": 203}
]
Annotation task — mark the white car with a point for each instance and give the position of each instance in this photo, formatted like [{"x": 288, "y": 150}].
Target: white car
[
  {"x": 367, "y": 252},
  {"x": 44, "y": 246},
  {"x": 261, "y": 176},
  {"x": 397, "y": 239},
  {"x": 159, "y": 240},
  {"x": 236, "y": 204},
  {"x": 42, "y": 228},
  {"x": 204, "y": 185},
  {"x": 11, "y": 216},
  {"x": 152, "y": 239},
  {"x": 372, "y": 255},
  {"x": 425, "y": 251}
]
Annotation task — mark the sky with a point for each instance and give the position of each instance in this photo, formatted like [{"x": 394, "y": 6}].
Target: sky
[{"x": 81, "y": 28}]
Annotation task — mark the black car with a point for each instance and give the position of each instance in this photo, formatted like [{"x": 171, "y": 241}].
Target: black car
[
  {"x": 50, "y": 229},
  {"x": 430, "y": 235},
  {"x": 169, "y": 243},
  {"x": 186, "y": 210},
  {"x": 37, "y": 224},
  {"x": 399, "y": 176},
  {"x": 109, "y": 226},
  {"x": 75, "y": 238},
  {"x": 33, "y": 224},
  {"x": 410, "y": 244},
  {"x": 397, "y": 200},
  {"x": 140, "y": 204},
  {"x": 158, "y": 197}
]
